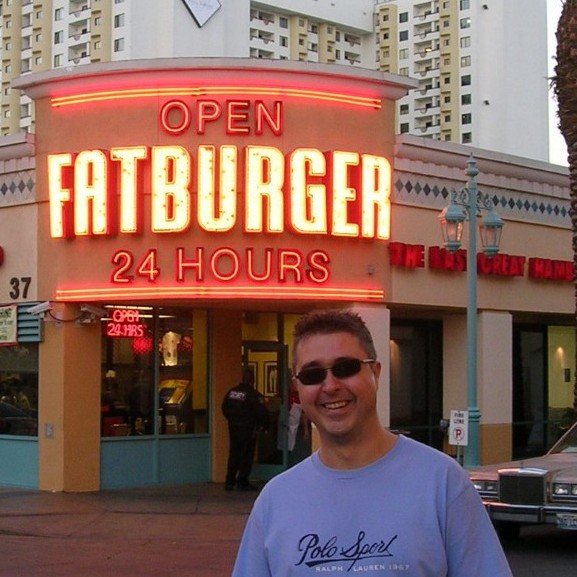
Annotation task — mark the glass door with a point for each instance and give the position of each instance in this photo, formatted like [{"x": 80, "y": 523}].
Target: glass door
[{"x": 268, "y": 360}]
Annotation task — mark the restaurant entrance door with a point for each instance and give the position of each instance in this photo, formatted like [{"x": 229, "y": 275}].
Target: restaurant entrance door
[{"x": 268, "y": 360}]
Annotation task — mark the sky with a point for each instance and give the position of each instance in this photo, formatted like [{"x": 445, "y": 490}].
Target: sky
[{"x": 557, "y": 147}]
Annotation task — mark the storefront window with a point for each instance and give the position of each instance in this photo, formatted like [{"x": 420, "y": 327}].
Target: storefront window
[
  {"x": 416, "y": 380},
  {"x": 561, "y": 379},
  {"x": 19, "y": 390},
  {"x": 183, "y": 372},
  {"x": 154, "y": 372}
]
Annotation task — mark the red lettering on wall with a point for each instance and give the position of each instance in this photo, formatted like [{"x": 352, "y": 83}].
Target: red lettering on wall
[
  {"x": 444, "y": 259},
  {"x": 407, "y": 255},
  {"x": 501, "y": 265},
  {"x": 547, "y": 269}
]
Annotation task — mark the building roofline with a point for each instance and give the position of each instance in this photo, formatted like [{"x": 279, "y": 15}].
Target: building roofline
[
  {"x": 455, "y": 155},
  {"x": 42, "y": 84}
]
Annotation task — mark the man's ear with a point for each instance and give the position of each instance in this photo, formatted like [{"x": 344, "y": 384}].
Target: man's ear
[{"x": 376, "y": 372}]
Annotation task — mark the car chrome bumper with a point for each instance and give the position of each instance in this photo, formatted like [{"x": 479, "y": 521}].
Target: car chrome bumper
[{"x": 535, "y": 514}]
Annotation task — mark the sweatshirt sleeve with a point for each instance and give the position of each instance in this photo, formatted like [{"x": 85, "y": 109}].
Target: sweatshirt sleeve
[
  {"x": 251, "y": 560},
  {"x": 473, "y": 548}
]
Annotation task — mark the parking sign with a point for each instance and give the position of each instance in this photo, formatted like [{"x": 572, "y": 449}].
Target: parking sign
[{"x": 459, "y": 428}]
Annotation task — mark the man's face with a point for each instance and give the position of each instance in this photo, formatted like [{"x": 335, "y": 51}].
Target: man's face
[{"x": 342, "y": 409}]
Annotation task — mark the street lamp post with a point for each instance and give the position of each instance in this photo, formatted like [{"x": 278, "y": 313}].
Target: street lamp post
[{"x": 467, "y": 205}]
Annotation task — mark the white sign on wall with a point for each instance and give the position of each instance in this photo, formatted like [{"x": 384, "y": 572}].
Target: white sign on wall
[
  {"x": 8, "y": 325},
  {"x": 202, "y": 10},
  {"x": 459, "y": 428}
]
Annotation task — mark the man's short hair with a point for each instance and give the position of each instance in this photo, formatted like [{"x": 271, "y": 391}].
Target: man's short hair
[{"x": 333, "y": 321}]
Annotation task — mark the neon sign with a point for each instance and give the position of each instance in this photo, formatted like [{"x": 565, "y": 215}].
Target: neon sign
[
  {"x": 125, "y": 323},
  {"x": 220, "y": 175},
  {"x": 339, "y": 193}
]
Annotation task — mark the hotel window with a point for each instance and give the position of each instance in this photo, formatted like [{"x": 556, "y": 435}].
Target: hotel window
[
  {"x": 404, "y": 71},
  {"x": 465, "y": 42},
  {"x": 57, "y": 60},
  {"x": 58, "y": 14},
  {"x": 119, "y": 21},
  {"x": 465, "y": 99},
  {"x": 465, "y": 61},
  {"x": 284, "y": 41},
  {"x": 403, "y": 53},
  {"x": 466, "y": 80},
  {"x": 404, "y": 17},
  {"x": 58, "y": 37},
  {"x": 447, "y": 99},
  {"x": 283, "y": 22},
  {"x": 404, "y": 127},
  {"x": 385, "y": 35},
  {"x": 465, "y": 4},
  {"x": 466, "y": 118},
  {"x": 467, "y": 138},
  {"x": 403, "y": 35},
  {"x": 119, "y": 45},
  {"x": 404, "y": 109},
  {"x": 465, "y": 23}
]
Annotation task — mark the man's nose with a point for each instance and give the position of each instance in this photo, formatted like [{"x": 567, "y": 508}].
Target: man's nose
[{"x": 330, "y": 382}]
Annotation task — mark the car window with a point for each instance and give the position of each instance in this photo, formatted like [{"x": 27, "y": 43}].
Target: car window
[{"x": 568, "y": 443}]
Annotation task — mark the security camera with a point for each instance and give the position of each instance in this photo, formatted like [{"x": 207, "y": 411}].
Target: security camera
[
  {"x": 40, "y": 308},
  {"x": 96, "y": 311}
]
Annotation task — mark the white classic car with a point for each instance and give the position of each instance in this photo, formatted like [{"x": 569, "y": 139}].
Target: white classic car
[{"x": 541, "y": 490}]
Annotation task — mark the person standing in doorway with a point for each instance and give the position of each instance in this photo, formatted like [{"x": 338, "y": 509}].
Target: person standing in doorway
[
  {"x": 246, "y": 413},
  {"x": 368, "y": 500}
]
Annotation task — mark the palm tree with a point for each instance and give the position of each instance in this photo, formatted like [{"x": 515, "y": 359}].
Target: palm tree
[{"x": 565, "y": 85}]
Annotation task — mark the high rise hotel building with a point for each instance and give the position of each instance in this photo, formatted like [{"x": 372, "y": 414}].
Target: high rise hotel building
[{"x": 481, "y": 64}]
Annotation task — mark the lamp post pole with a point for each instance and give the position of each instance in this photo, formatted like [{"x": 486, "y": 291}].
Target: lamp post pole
[
  {"x": 467, "y": 205},
  {"x": 472, "y": 453}
]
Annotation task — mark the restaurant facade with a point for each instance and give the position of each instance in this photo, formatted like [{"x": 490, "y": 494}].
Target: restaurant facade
[{"x": 171, "y": 219}]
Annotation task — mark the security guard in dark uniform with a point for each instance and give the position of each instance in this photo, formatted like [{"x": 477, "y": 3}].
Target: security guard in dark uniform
[{"x": 244, "y": 409}]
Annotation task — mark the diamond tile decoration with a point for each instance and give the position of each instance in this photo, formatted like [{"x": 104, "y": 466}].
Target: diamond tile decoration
[{"x": 412, "y": 189}]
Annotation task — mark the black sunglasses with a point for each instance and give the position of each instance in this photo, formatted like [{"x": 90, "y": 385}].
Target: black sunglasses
[{"x": 342, "y": 369}]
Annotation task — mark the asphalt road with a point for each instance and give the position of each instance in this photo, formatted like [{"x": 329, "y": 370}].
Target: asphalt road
[{"x": 543, "y": 552}]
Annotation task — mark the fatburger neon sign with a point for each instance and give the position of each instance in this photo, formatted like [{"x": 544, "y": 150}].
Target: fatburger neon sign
[
  {"x": 246, "y": 187},
  {"x": 308, "y": 191}
]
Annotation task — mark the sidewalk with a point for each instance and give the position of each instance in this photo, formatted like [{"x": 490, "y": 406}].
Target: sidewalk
[{"x": 184, "y": 531}]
